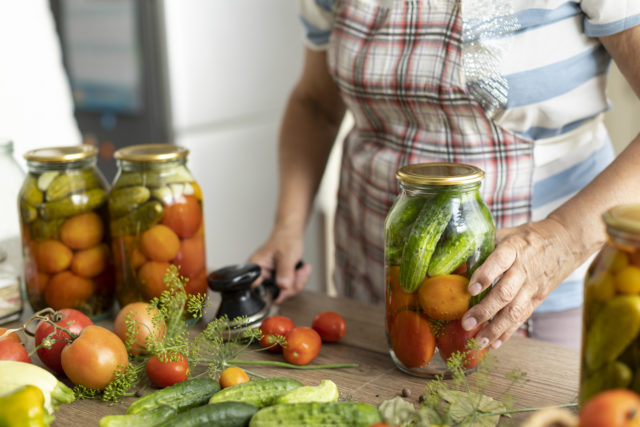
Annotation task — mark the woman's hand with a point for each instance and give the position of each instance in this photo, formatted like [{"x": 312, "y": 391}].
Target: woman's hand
[
  {"x": 279, "y": 254},
  {"x": 528, "y": 263}
]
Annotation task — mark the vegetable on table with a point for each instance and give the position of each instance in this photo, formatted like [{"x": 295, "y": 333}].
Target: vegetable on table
[
  {"x": 149, "y": 418},
  {"x": 316, "y": 414},
  {"x": 221, "y": 414},
  {"x": 261, "y": 392},
  {"x": 326, "y": 391},
  {"x": 181, "y": 396},
  {"x": 24, "y": 407}
]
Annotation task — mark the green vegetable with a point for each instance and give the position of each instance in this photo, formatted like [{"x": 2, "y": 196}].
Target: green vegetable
[
  {"x": 24, "y": 408},
  {"x": 149, "y": 418},
  {"x": 42, "y": 230},
  {"x": 15, "y": 375},
  {"x": 30, "y": 191},
  {"x": 451, "y": 251},
  {"x": 221, "y": 414},
  {"x": 316, "y": 414},
  {"x": 71, "y": 182},
  {"x": 46, "y": 179},
  {"x": 326, "y": 391},
  {"x": 73, "y": 204},
  {"x": 187, "y": 394},
  {"x": 123, "y": 200},
  {"x": 155, "y": 178},
  {"x": 424, "y": 236},
  {"x": 261, "y": 393},
  {"x": 398, "y": 224},
  {"x": 139, "y": 220},
  {"x": 27, "y": 212},
  {"x": 612, "y": 375},
  {"x": 613, "y": 329}
]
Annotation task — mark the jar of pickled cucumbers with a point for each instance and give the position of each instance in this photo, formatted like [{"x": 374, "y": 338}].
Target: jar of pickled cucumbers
[
  {"x": 63, "y": 214},
  {"x": 437, "y": 232},
  {"x": 156, "y": 220},
  {"x": 611, "y": 316}
]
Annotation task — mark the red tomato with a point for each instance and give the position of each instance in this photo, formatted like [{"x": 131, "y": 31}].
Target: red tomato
[
  {"x": 11, "y": 350},
  {"x": 233, "y": 376},
  {"x": 93, "y": 358},
  {"x": 303, "y": 345},
  {"x": 12, "y": 336},
  {"x": 275, "y": 325},
  {"x": 167, "y": 372},
  {"x": 184, "y": 216},
  {"x": 614, "y": 408},
  {"x": 71, "y": 319},
  {"x": 142, "y": 313},
  {"x": 330, "y": 325},
  {"x": 453, "y": 338}
]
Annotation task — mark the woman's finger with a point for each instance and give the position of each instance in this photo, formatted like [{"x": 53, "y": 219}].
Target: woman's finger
[{"x": 492, "y": 268}]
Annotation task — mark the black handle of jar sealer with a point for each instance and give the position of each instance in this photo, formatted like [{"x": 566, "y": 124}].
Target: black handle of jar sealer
[{"x": 269, "y": 284}]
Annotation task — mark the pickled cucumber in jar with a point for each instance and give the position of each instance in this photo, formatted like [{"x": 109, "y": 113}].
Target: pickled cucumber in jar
[
  {"x": 156, "y": 220},
  {"x": 611, "y": 315},
  {"x": 67, "y": 260}
]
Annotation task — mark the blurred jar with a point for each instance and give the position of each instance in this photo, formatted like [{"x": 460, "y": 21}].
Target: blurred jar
[
  {"x": 63, "y": 212},
  {"x": 437, "y": 232},
  {"x": 611, "y": 318},
  {"x": 156, "y": 220},
  {"x": 10, "y": 248}
]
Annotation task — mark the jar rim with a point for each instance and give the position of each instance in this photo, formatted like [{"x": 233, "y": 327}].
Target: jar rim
[
  {"x": 61, "y": 154},
  {"x": 440, "y": 173},
  {"x": 623, "y": 218},
  {"x": 151, "y": 153}
]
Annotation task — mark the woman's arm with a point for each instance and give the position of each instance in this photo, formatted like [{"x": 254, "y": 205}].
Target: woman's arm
[
  {"x": 310, "y": 124},
  {"x": 531, "y": 260}
]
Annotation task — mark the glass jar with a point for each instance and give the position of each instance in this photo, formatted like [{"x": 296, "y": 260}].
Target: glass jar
[
  {"x": 156, "y": 220},
  {"x": 63, "y": 214},
  {"x": 437, "y": 232},
  {"x": 10, "y": 248},
  {"x": 611, "y": 316}
]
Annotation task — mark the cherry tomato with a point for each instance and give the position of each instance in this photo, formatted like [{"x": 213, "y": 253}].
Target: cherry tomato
[
  {"x": 454, "y": 338},
  {"x": 163, "y": 372},
  {"x": 303, "y": 345},
  {"x": 613, "y": 408},
  {"x": 232, "y": 376},
  {"x": 143, "y": 314},
  {"x": 93, "y": 358},
  {"x": 330, "y": 326},
  {"x": 275, "y": 325},
  {"x": 11, "y": 350},
  {"x": 12, "y": 336},
  {"x": 69, "y": 318},
  {"x": 183, "y": 216}
]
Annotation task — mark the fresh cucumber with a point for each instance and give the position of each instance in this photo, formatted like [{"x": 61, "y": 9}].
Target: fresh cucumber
[
  {"x": 221, "y": 414},
  {"x": 316, "y": 414},
  {"x": 326, "y": 391},
  {"x": 402, "y": 214},
  {"x": 149, "y": 418},
  {"x": 181, "y": 396},
  {"x": 261, "y": 393},
  {"x": 422, "y": 240}
]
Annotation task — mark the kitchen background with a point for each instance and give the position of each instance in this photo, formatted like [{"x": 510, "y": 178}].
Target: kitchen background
[{"x": 211, "y": 75}]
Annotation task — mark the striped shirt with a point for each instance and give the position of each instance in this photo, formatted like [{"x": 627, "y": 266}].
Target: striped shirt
[{"x": 551, "y": 70}]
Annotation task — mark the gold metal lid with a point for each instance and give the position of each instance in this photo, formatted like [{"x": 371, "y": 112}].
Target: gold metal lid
[
  {"x": 66, "y": 154},
  {"x": 623, "y": 218},
  {"x": 151, "y": 153},
  {"x": 440, "y": 173}
]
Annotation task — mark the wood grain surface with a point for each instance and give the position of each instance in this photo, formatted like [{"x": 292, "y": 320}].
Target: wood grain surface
[{"x": 551, "y": 371}]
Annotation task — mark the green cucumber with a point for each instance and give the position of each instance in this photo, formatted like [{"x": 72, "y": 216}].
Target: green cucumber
[
  {"x": 261, "y": 393},
  {"x": 123, "y": 200},
  {"x": 138, "y": 220},
  {"x": 326, "y": 391},
  {"x": 149, "y": 418},
  {"x": 402, "y": 215},
  {"x": 221, "y": 414},
  {"x": 422, "y": 240},
  {"x": 187, "y": 394},
  {"x": 317, "y": 414},
  {"x": 451, "y": 251},
  {"x": 73, "y": 204},
  {"x": 71, "y": 182}
]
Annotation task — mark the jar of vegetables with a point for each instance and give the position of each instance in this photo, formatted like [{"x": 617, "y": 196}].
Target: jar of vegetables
[
  {"x": 611, "y": 316},
  {"x": 436, "y": 233},
  {"x": 156, "y": 220},
  {"x": 63, "y": 214}
]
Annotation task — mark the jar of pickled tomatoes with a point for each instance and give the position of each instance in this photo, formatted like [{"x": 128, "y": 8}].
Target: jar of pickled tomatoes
[
  {"x": 437, "y": 232},
  {"x": 611, "y": 316},
  {"x": 156, "y": 220},
  {"x": 63, "y": 215}
]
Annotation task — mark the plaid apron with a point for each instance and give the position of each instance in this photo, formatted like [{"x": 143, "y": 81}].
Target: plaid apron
[{"x": 400, "y": 72}]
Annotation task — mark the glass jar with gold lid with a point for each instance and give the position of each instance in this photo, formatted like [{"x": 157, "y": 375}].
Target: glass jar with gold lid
[
  {"x": 436, "y": 233},
  {"x": 611, "y": 316},
  {"x": 156, "y": 220},
  {"x": 63, "y": 215}
]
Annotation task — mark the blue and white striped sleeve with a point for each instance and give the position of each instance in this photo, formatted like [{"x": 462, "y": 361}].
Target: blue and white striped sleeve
[
  {"x": 607, "y": 17},
  {"x": 317, "y": 19}
]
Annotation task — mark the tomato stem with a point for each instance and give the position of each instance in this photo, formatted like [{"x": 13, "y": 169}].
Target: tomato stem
[
  {"x": 50, "y": 316},
  {"x": 290, "y": 365}
]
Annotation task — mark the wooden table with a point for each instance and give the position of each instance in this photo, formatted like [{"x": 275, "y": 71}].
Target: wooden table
[{"x": 551, "y": 371}]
